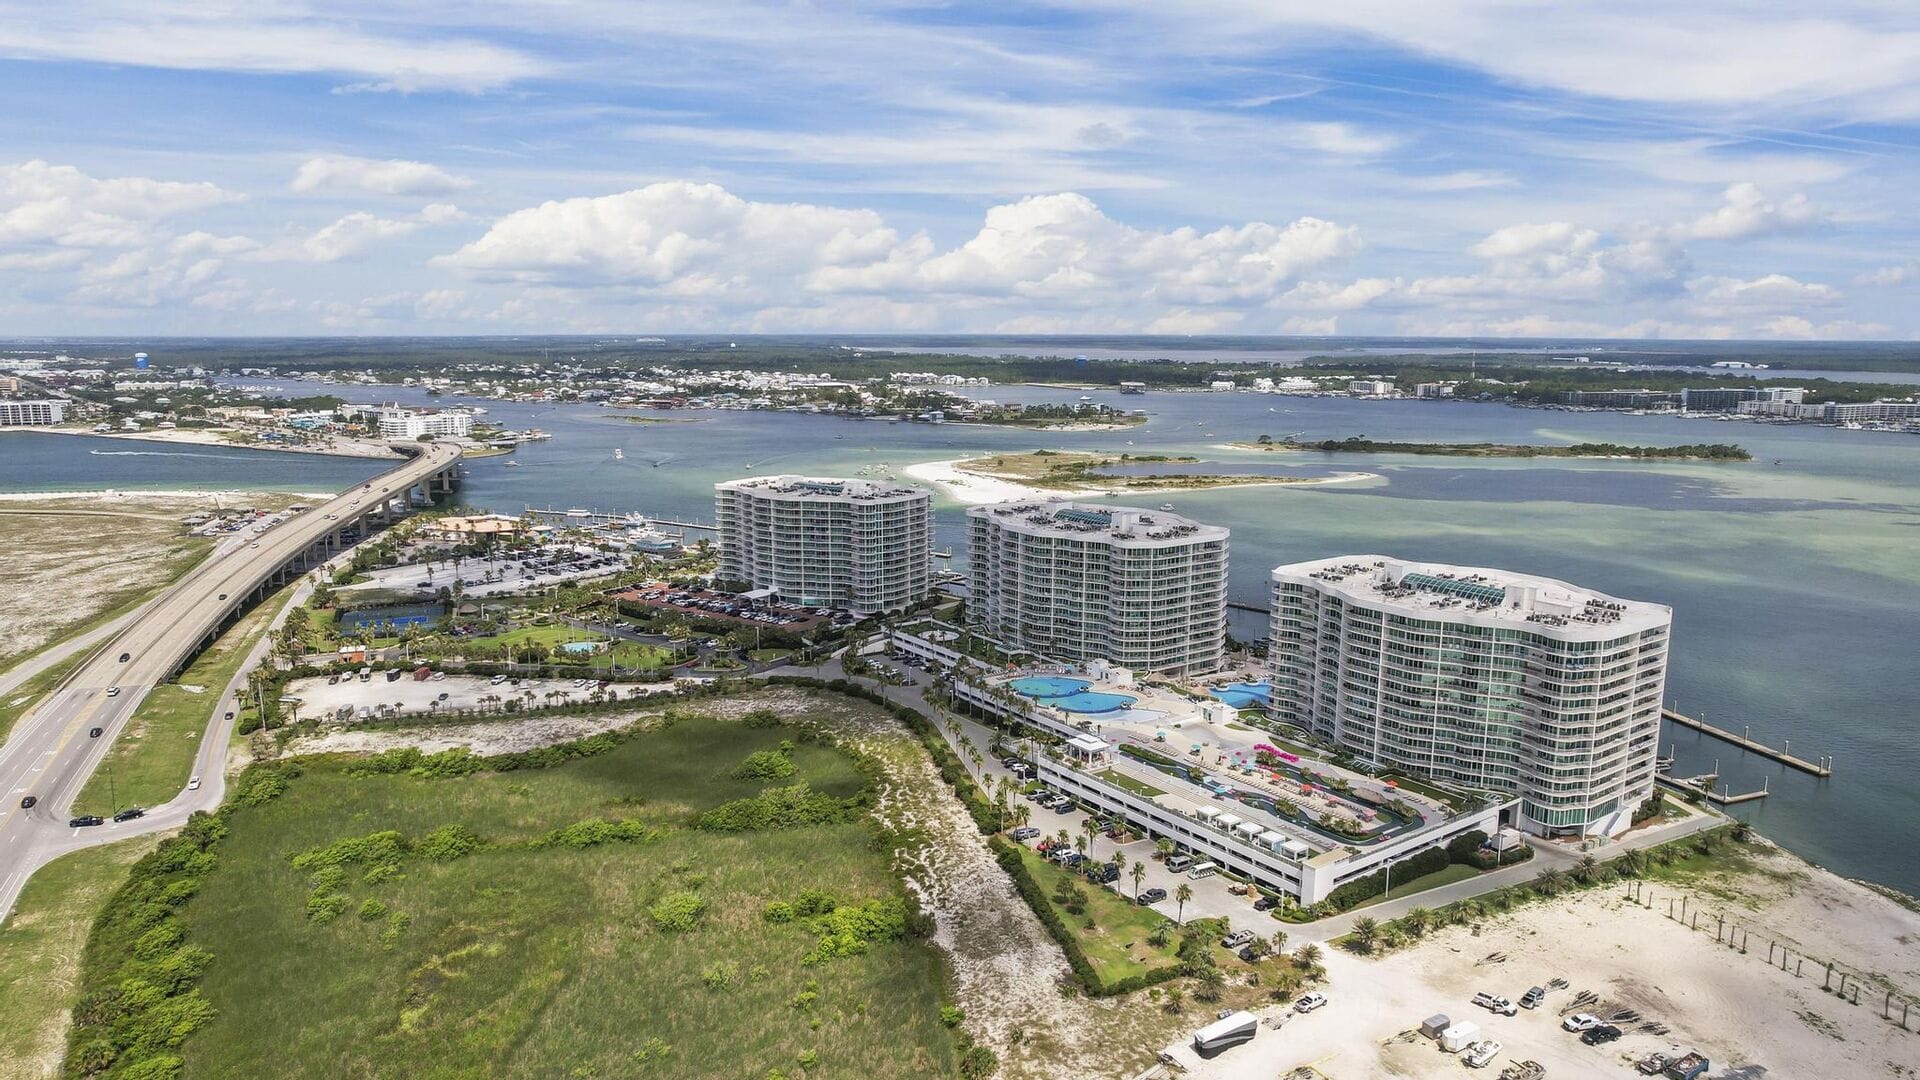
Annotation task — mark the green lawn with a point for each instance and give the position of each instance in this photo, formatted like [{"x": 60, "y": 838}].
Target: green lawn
[
  {"x": 152, "y": 758},
  {"x": 40, "y": 953},
  {"x": 1445, "y": 876},
  {"x": 544, "y": 962},
  {"x": 1116, "y": 944},
  {"x": 1121, "y": 780}
]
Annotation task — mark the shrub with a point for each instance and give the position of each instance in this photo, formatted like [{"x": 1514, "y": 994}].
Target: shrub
[
  {"x": 721, "y": 975},
  {"x": 951, "y": 1015},
  {"x": 372, "y": 909},
  {"x": 1461, "y": 848},
  {"x": 387, "y": 846},
  {"x": 678, "y": 912},
  {"x": 847, "y": 931},
  {"x": 449, "y": 842},
  {"x": 595, "y": 831},
  {"x": 323, "y": 908},
  {"x": 765, "y": 765},
  {"x": 778, "y": 808}
]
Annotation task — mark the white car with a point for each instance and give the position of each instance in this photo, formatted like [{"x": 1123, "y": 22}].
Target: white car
[
  {"x": 193, "y": 784},
  {"x": 113, "y": 691},
  {"x": 1580, "y": 1022},
  {"x": 1481, "y": 1054},
  {"x": 1310, "y": 1002}
]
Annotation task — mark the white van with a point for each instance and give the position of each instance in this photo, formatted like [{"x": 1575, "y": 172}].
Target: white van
[
  {"x": 1177, "y": 863},
  {"x": 1204, "y": 870}
]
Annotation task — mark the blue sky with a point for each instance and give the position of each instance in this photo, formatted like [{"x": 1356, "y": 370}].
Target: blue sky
[{"x": 1742, "y": 170}]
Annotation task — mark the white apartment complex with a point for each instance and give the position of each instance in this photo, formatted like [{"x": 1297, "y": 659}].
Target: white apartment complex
[
  {"x": 1486, "y": 679},
  {"x": 855, "y": 545},
  {"x": 408, "y": 424},
  {"x": 18, "y": 412},
  {"x": 1144, "y": 589}
]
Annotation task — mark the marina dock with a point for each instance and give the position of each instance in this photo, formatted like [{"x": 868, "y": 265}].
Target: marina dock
[
  {"x": 1703, "y": 786},
  {"x": 1821, "y": 768}
]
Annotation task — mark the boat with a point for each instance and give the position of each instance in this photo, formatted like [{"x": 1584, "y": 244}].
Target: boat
[
  {"x": 1168, "y": 507},
  {"x": 512, "y": 465},
  {"x": 1230, "y": 1030},
  {"x": 619, "y": 454}
]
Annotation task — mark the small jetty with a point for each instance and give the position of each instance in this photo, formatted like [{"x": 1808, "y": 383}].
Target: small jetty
[
  {"x": 1257, "y": 608},
  {"x": 1703, "y": 784},
  {"x": 1821, "y": 768}
]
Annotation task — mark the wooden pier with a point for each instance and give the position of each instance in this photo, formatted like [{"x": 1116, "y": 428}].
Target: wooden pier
[
  {"x": 1236, "y": 605},
  {"x": 1719, "y": 798},
  {"x": 1821, "y": 768}
]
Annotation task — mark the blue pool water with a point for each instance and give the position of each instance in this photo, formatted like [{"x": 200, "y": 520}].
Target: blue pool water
[
  {"x": 1049, "y": 686},
  {"x": 1072, "y": 695},
  {"x": 580, "y": 646},
  {"x": 1242, "y": 695}
]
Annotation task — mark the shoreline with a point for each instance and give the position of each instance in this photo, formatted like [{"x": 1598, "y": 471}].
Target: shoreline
[
  {"x": 962, "y": 485},
  {"x": 211, "y": 437},
  {"x": 107, "y": 494}
]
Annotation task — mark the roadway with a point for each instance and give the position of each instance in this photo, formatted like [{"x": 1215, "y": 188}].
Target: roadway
[{"x": 51, "y": 753}]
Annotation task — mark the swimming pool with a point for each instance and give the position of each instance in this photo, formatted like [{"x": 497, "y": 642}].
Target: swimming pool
[
  {"x": 1242, "y": 695},
  {"x": 1073, "y": 695},
  {"x": 582, "y": 646}
]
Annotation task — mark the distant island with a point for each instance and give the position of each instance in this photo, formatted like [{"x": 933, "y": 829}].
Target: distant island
[{"x": 1360, "y": 445}]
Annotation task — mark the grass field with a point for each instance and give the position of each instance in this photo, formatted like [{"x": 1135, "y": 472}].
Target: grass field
[
  {"x": 528, "y": 961},
  {"x": 1116, "y": 944},
  {"x": 40, "y": 953},
  {"x": 152, "y": 758},
  {"x": 15, "y": 704},
  {"x": 1122, "y": 780}
]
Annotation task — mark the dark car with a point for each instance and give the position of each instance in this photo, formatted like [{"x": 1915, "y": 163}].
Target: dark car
[
  {"x": 1265, "y": 903},
  {"x": 1102, "y": 873},
  {"x": 1605, "y": 1033},
  {"x": 95, "y": 733},
  {"x": 130, "y": 813},
  {"x": 1246, "y": 953},
  {"x": 27, "y": 803},
  {"x": 1151, "y": 896},
  {"x": 125, "y": 656},
  {"x": 89, "y": 819}
]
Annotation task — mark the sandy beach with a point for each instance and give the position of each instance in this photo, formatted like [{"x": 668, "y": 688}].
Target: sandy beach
[
  {"x": 216, "y": 437},
  {"x": 962, "y": 485},
  {"x": 1748, "y": 1016}
]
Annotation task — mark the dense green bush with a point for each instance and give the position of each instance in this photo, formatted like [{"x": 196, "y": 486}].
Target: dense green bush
[
  {"x": 677, "y": 912},
  {"x": 847, "y": 931},
  {"x": 1461, "y": 848},
  {"x": 765, "y": 765},
  {"x": 595, "y": 831},
  {"x": 779, "y": 808},
  {"x": 1425, "y": 862}
]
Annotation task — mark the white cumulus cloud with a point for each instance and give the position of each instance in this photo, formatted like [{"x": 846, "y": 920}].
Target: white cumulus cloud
[{"x": 394, "y": 176}]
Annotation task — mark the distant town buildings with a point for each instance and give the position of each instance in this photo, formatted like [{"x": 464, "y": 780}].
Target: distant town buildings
[
  {"x": 31, "y": 412},
  {"x": 1484, "y": 679},
  {"x": 1144, "y": 589},
  {"x": 1370, "y": 388},
  {"x": 855, "y": 545}
]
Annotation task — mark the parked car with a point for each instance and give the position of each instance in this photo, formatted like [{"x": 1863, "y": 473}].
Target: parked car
[
  {"x": 1266, "y": 903},
  {"x": 1533, "y": 997},
  {"x": 1580, "y": 1022},
  {"x": 1605, "y": 1033},
  {"x": 1151, "y": 896},
  {"x": 1236, "y": 939},
  {"x": 85, "y": 820},
  {"x": 1310, "y": 1002},
  {"x": 130, "y": 813},
  {"x": 1246, "y": 953},
  {"x": 1503, "y": 1006}
]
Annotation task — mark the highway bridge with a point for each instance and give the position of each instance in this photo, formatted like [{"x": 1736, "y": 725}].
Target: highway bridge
[{"x": 51, "y": 753}]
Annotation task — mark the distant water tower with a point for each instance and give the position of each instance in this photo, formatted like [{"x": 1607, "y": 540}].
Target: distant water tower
[{"x": 140, "y": 361}]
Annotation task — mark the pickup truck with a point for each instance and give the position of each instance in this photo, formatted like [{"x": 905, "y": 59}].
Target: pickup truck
[
  {"x": 1236, "y": 939},
  {"x": 1503, "y": 1006}
]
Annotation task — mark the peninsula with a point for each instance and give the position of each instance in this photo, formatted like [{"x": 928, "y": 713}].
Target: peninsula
[
  {"x": 1361, "y": 445},
  {"x": 1047, "y": 473}
]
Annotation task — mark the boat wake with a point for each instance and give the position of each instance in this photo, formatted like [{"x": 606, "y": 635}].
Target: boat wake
[{"x": 150, "y": 453}]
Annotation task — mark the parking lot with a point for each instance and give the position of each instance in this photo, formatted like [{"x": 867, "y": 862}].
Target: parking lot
[
  {"x": 495, "y": 576},
  {"x": 386, "y": 699},
  {"x": 706, "y": 604}
]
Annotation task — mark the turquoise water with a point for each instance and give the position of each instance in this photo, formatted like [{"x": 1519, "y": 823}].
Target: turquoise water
[
  {"x": 581, "y": 646},
  {"x": 1242, "y": 695},
  {"x": 1795, "y": 587},
  {"x": 1070, "y": 694}
]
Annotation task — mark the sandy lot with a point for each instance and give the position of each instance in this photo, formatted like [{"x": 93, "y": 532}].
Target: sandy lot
[
  {"x": 339, "y": 446},
  {"x": 957, "y": 483},
  {"x": 320, "y": 698},
  {"x": 64, "y": 561},
  {"x": 1751, "y": 1019}
]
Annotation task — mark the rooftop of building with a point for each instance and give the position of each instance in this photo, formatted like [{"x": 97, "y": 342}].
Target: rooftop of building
[
  {"x": 1064, "y": 518},
  {"x": 823, "y": 487},
  {"x": 1474, "y": 594}
]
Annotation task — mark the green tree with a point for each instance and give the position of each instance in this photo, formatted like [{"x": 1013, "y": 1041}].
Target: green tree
[
  {"x": 1139, "y": 874},
  {"x": 1182, "y": 894},
  {"x": 1366, "y": 933}
]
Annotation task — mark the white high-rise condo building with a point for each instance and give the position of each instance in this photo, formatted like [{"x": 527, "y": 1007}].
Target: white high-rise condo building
[
  {"x": 31, "y": 411},
  {"x": 856, "y": 545},
  {"x": 1144, "y": 589},
  {"x": 1485, "y": 679},
  {"x": 408, "y": 424}
]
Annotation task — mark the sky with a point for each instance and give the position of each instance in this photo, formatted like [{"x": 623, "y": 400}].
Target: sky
[{"x": 1536, "y": 168}]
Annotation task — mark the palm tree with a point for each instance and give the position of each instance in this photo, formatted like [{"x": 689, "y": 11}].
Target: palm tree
[
  {"x": 1279, "y": 940},
  {"x": 1182, "y": 894},
  {"x": 1366, "y": 931},
  {"x": 1586, "y": 870},
  {"x": 1418, "y": 921},
  {"x": 1550, "y": 881},
  {"x": 1308, "y": 957},
  {"x": 1632, "y": 862},
  {"x": 1139, "y": 874}
]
